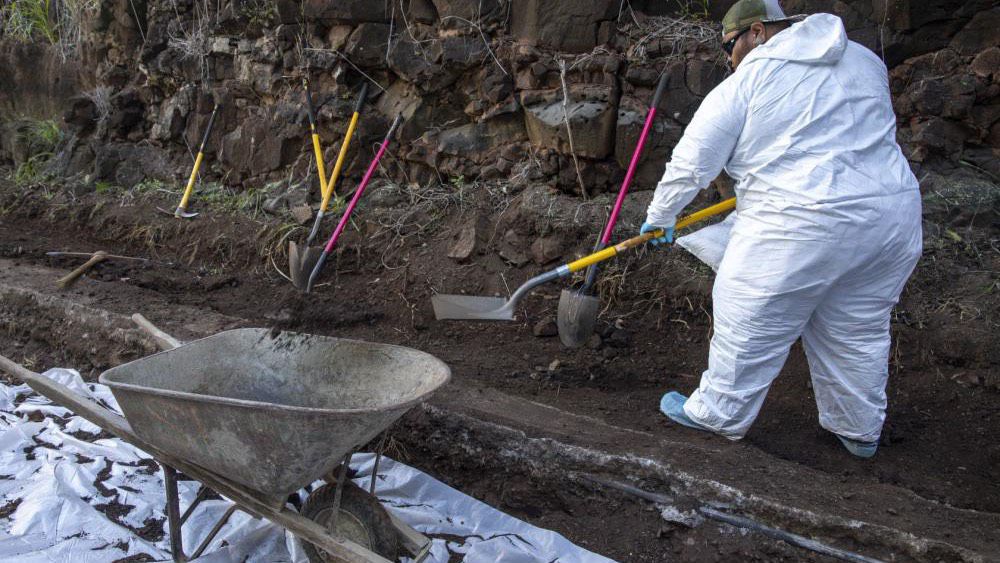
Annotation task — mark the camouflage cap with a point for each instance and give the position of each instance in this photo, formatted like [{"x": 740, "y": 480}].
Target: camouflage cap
[{"x": 746, "y": 12}]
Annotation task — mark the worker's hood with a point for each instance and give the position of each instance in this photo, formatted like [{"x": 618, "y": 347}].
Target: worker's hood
[{"x": 818, "y": 39}]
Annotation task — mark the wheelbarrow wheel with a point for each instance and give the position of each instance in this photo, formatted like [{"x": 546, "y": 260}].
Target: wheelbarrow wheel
[{"x": 362, "y": 520}]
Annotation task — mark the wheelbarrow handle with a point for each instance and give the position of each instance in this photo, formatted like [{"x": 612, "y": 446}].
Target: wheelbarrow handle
[
  {"x": 66, "y": 397},
  {"x": 163, "y": 340}
]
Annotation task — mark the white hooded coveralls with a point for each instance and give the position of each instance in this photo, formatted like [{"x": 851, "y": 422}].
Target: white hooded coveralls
[{"x": 827, "y": 229}]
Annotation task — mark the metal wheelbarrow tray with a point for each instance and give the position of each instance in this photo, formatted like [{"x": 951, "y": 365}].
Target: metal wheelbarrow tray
[
  {"x": 255, "y": 417},
  {"x": 272, "y": 413}
]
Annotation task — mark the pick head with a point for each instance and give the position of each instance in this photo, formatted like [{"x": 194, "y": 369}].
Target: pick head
[{"x": 181, "y": 213}]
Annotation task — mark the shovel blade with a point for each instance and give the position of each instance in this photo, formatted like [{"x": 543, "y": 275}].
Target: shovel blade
[
  {"x": 301, "y": 261},
  {"x": 295, "y": 266},
  {"x": 467, "y": 307},
  {"x": 576, "y": 317}
]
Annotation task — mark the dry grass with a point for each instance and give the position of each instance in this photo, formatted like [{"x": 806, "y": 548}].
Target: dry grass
[
  {"x": 59, "y": 22},
  {"x": 651, "y": 33}
]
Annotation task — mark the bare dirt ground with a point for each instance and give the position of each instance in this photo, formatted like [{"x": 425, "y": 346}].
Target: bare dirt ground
[{"x": 941, "y": 442}]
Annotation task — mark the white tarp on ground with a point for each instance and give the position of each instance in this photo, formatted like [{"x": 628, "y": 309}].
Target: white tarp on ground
[{"x": 68, "y": 494}]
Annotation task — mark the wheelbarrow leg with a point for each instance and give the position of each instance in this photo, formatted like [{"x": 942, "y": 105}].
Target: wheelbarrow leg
[
  {"x": 341, "y": 480},
  {"x": 173, "y": 514}
]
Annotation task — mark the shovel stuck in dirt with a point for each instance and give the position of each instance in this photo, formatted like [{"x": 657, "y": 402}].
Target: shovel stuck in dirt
[
  {"x": 314, "y": 275},
  {"x": 302, "y": 261},
  {"x": 577, "y": 313},
  {"x": 467, "y": 307}
]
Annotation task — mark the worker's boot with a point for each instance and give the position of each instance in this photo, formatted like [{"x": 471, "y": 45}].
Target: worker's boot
[
  {"x": 860, "y": 449},
  {"x": 672, "y": 405}
]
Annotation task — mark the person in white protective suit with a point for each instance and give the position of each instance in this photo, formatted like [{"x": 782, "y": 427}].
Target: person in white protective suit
[{"x": 827, "y": 227}]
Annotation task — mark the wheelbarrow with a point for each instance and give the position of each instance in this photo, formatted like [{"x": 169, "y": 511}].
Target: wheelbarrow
[{"x": 255, "y": 416}]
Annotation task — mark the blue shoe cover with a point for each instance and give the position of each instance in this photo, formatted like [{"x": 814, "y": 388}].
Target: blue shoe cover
[
  {"x": 672, "y": 405},
  {"x": 860, "y": 449}
]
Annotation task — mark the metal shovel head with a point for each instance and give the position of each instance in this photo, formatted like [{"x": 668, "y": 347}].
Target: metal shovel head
[
  {"x": 468, "y": 307},
  {"x": 576, "y": 317},
  {"x": 301, "y": 261}
]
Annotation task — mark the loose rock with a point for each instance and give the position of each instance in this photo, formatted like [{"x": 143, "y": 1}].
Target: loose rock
[{"x": 545, "y": 328}]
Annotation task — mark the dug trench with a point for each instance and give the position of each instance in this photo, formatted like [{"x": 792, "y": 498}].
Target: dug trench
[{"x": 526, "y": 424}]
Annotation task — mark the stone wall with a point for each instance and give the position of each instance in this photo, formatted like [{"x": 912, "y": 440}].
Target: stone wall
[{"x": 478, "y": 82}]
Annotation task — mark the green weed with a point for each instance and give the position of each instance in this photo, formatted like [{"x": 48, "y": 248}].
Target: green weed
[
  {"x": 693, "y": 9},
  {"x": 58, "y": 22},
  {"x": 23, "y": 20},
  {"x": 44, "y": 134},
  {"x": 259, "y": 13},
  {"x": 31, "y": 170},
  {"x": 248, "y": 202}
]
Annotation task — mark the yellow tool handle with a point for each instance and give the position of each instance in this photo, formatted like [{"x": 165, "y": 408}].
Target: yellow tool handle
[
  {"x": 320, "y": 169},
  {"x": 190, "y": 186},
  {"x": 332, "y": 183},
  {"x": 612, "y": 251}
]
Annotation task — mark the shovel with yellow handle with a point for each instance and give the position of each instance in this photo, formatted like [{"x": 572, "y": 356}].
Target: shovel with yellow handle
[
  {"x": 467, "y": 307},
  {"x": 301, "y": 262},
  {"x": 181, "y": 211}
]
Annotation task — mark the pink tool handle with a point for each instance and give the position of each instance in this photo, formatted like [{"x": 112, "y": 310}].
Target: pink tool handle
[
  {"x": 636, "y": 155},
  {"x": 606, "y": 237},
  {"x": 361, "y": 188}
]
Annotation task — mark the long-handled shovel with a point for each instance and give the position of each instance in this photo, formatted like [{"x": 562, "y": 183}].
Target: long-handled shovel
[
  {"x": 301, "y": 263},
  {"x": 350, "y": 206},
  {"x": 468, "y": 307},
  {"x": 314, "y": 133},
  {"x": 181, "y": 211},
  {"x": 577, "y": 312}
]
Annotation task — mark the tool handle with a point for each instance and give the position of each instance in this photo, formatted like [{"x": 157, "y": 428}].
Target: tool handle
[
  {"x": 189, "y": 189},
  {"x": 612, "y": 251},
  {"x": 331, "y": 184},
  {"x": 703, "y": 214},
  {"x": 361, "y": 187},
  {"x": 626, "y": 183},
  {"x": 88, "y": 254},
  {"x": 314, "y": 274},
  {"x": 69, "y": 279},
  {"x": 310, "y": 108},
  {"x": 208, "y": 130},
  {"x": 163, "y": 340},
  {"x": 633, "y": 165},
  {"x": 317, "y": 148},
  {"x": 361, "y": 98},
  {"x": 660, "y": 88}
]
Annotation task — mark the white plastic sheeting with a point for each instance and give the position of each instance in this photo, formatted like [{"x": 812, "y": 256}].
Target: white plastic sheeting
[
  {"x": 68, "y": 493},
  {"x": 709, "y": 243}
]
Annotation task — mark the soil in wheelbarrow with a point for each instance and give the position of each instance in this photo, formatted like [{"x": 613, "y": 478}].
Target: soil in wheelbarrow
[{"x": 942, "y": 437}]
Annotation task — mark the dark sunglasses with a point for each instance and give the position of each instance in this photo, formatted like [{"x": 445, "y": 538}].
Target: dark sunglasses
[{"x": 729, "y": 45}]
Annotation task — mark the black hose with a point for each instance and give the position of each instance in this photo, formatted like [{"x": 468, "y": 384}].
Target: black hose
[{"x": 787, "y": 537}]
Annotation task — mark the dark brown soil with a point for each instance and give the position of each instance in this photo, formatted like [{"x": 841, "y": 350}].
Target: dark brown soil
[{"x": 942, "y": 438}]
